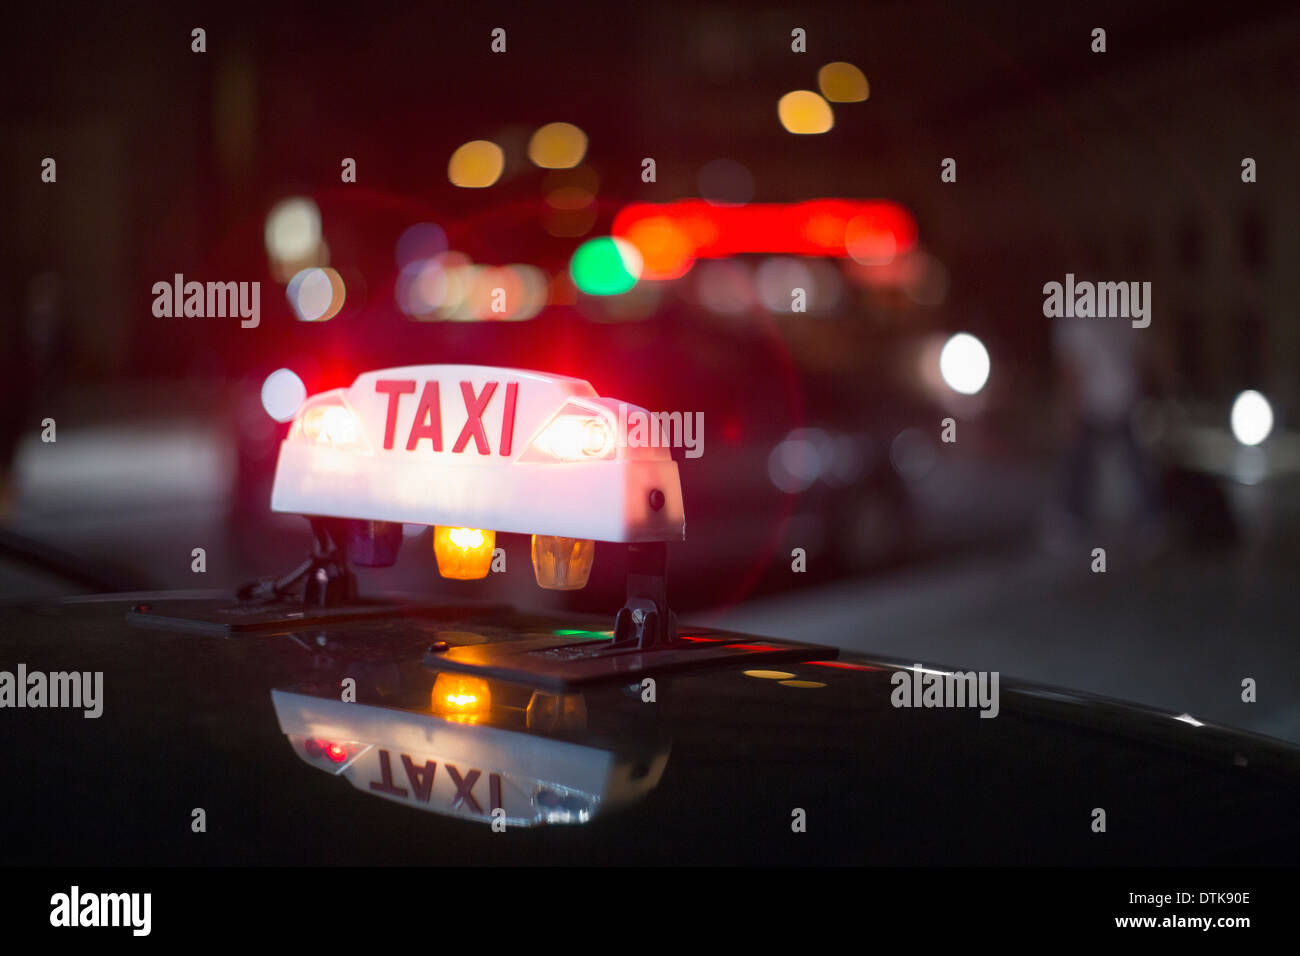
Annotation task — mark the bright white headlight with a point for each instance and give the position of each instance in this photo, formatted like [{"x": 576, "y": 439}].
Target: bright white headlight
[
  {"x": 964, "y": 363},
  {"x": 1252, "y": 417}
]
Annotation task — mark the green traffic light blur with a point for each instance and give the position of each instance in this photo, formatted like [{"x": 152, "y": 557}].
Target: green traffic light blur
[{"x": 605, "y": 266}]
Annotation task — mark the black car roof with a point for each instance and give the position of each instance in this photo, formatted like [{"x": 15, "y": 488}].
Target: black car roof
[{"x": 189, "y": 722}]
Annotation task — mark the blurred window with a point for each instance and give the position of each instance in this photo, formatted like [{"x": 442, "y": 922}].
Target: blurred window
[
  {"x": 1189, "y": 351},
  {"x": 1253, "y": 254},
  {"x": 1250, "y": 349},
  {"x": 1189, "y": 244},
  {"x": 1139, "y": 247}
]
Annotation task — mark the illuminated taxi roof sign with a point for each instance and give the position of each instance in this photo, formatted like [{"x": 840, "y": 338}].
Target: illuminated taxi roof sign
[{"x": 479, "y": 447}]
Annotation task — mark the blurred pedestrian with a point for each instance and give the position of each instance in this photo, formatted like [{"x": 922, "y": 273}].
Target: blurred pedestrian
[{"x": 1101, "y": 365}]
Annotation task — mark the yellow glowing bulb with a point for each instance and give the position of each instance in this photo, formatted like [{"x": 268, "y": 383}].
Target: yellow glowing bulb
[
  {"x": 476, "y": 164},
  {"x": 805, "y": 112},
  {"x": 461, "y": 697},
  {"x": 463, "y": 554},
  {"x": 557, "y": 146},
  {"x": 842, "y": 82},
  {"x": 467, "y": 539}
]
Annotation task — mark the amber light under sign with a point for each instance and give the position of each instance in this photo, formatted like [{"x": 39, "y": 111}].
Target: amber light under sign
[
  {"x": 562, "y": 564},
  {"x": 460, "y": 697},
  {"x": 463, "y": 554}
]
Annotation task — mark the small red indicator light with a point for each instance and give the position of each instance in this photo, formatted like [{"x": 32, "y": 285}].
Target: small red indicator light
[{"x": 336, "y": 752}]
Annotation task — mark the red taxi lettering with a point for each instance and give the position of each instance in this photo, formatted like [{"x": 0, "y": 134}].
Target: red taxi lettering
[
  {"x": 394, "y": 389},
  {"x": 474, "y": 407},
  {"x": 430, "y": 408},
  {"x": 427, "y": 422},
  {"x": 385, "y": 785},
  {"x": 464, "y": 787},
  {"x": 508, "y": 418},
  {"x": 421, "y": 777}
]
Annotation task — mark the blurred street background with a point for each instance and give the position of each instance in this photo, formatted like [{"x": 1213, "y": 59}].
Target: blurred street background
[{"x": 1174, "y": 448}]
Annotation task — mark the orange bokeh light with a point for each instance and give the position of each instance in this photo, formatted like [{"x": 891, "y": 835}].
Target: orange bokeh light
[{"x": 667, "y": 252}]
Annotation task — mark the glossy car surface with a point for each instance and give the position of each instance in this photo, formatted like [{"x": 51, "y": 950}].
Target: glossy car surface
[{"x": 713, "y": 770}]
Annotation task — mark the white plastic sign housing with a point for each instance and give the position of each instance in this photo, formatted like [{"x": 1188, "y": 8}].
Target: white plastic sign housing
[{"x": 479, "y": 447}]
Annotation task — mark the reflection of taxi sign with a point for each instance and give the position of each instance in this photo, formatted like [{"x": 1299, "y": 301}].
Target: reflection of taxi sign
[
  {"x": 464, "y": 769},
  {"x": 474, "y": 450}
]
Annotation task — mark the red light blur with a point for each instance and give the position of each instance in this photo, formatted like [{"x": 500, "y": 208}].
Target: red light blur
[
  {"x": 843, "y": 665},
  {"x": 813, "y": 228},
  {"x": 733, "y": 431}
]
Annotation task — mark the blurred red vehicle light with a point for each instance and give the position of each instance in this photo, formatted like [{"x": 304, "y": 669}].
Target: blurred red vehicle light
[{"x": 815, "y": 227}]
